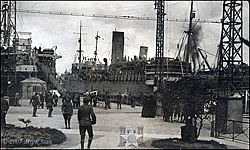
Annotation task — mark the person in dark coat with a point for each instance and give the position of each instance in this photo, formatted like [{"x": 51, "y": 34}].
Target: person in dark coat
[
  {"x": 4, "y": 110},
  {"x": 42, "y": 96},
  {"x": 17, "y": 99},
  {"x": 35, "y": 100},
  {"x": 94, "y": 97},
  {"x": 132, "y": 100},
  {"x": 55, "y": 97},
  {"x": 75, "y": 100},
  {"x": 78, "y": 100},
  {"x": 107, "y": 101},
  {"x": 86, "y": 118},
  {"x": 50, "y": 104},
  {"x": 67, "y": 110},
  {"x": 119, "y": 101}
]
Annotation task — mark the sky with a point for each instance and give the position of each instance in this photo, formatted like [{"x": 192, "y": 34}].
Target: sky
[{"x": 59, "y": 30}]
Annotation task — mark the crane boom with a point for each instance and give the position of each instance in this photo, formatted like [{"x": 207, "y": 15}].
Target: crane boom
[{"x": 205, "y": 59}]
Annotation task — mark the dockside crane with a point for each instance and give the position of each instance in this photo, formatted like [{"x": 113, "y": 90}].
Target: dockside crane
[
  {"x": 230, "y": 75},
  {"x": 8, "y": 43},
  {"x": 159, "y": 6},
  {"x": 205, "y": 59}
]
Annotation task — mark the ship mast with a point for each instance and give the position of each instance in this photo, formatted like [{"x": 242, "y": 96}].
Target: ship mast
[
  {"x": 96, "y": 38},
  {"x": 80, "y": 44},
  {"x": 187, "y": 52}
]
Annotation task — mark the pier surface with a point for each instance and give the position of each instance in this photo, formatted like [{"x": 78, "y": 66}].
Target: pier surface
[{"x": 106, "y": 130}]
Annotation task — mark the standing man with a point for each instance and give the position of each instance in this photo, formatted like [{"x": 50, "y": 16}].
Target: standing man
[
  {"x": 107, "y": 101},
  {"x": 133, "y": 100},
  {"x": 86, "y": 117},
  {"x": 4, "y": 109},
  {"x": 35, "y": 100},
  {"x": 75, "y": 100},
  {"x": 129, "y": 97},
  {"x": 42, "y": 100},
  {"x": 119, "y": 101},
  {"x": 55, "y": 97},
  {"x": 67, "y": 110},
  {"x": 50, "y": 104},
  {"x": 78, "y": 100},
  {"x": 95, "y": 98},
  {"x": 17, "y": 98}
]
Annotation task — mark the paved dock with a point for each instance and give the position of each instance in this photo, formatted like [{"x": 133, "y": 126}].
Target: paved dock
[{"x": 106, "y": 130}]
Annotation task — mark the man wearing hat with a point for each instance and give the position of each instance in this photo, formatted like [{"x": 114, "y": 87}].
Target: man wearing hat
[
  {"x": 35, "y": 100},
  {"x": 50, "y": 103},
  {"x": 86, "y": 118},
  {"x": 67, "y": 110},
  {"x": 4, "y": 109}
]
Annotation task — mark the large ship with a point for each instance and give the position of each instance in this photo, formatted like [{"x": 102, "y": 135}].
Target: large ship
[{"x": 123, "y": 75}]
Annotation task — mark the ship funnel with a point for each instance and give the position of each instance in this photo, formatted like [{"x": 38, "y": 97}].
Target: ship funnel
[
  {"x": 143, "y": 52},
  {"x": 117, "y": 47}
]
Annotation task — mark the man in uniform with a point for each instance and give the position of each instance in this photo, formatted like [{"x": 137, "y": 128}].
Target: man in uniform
[
  {"x": 50, "y": 103},
  {"x": 119, "y": 101},
  {"x": 42, "y": 100},
  {"x": 106, "y": 100},
  {"x": 75, "y": 101},
  {"x": 132, "y": 100},
  {"x": 86, "y": 117},
  {"x": 67, "y": 110},
  {"x": 4, "y": 109},
  {"x": 95, "y": 99},
  {"x": 35, "y": 100},
  {"x": 55, "y": 97}
]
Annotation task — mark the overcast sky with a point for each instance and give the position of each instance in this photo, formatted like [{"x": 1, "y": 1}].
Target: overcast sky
[{"x": 58, "y": 30}]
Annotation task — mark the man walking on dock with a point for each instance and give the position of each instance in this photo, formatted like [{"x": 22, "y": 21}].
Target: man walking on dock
[
  {"x": 35, "y": 100},
  {"x": 67, "y": 110},
  {"x": 86, "y": 118},
  {"x": 55, "y": 97},
  {"x": 42, "y": 100},
  {"x": 107, "y": 101},
  {"x": 119, "y": 101},
  {"x": 50, "y": 103}
]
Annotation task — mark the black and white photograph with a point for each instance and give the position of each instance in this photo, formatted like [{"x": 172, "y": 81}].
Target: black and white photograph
[{"x": 125, "y": 74}]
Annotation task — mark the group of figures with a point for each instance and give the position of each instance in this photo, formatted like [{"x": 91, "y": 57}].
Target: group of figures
[
  {"x": 118, "y": 99},
  {"x": 38, "y": 100},
  {"x": 86, "y": 116}
]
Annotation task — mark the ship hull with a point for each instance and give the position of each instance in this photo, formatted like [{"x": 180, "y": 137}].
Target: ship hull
[{"x": 112, "y": 87}]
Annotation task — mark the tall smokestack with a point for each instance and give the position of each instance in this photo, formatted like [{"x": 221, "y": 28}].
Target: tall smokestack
[
  {"x": 143, "y": 52},
  {"x": 117, "y": 47}
]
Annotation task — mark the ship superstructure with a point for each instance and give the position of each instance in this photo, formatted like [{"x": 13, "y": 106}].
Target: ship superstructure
[{"x": 20, "y": 62}]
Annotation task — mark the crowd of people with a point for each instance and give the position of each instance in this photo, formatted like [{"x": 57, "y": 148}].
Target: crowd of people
[{"x": 70, "y": 101}]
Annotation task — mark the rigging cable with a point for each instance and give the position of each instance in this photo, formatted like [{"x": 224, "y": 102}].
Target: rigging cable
[{"x": 126, "y": 17}]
